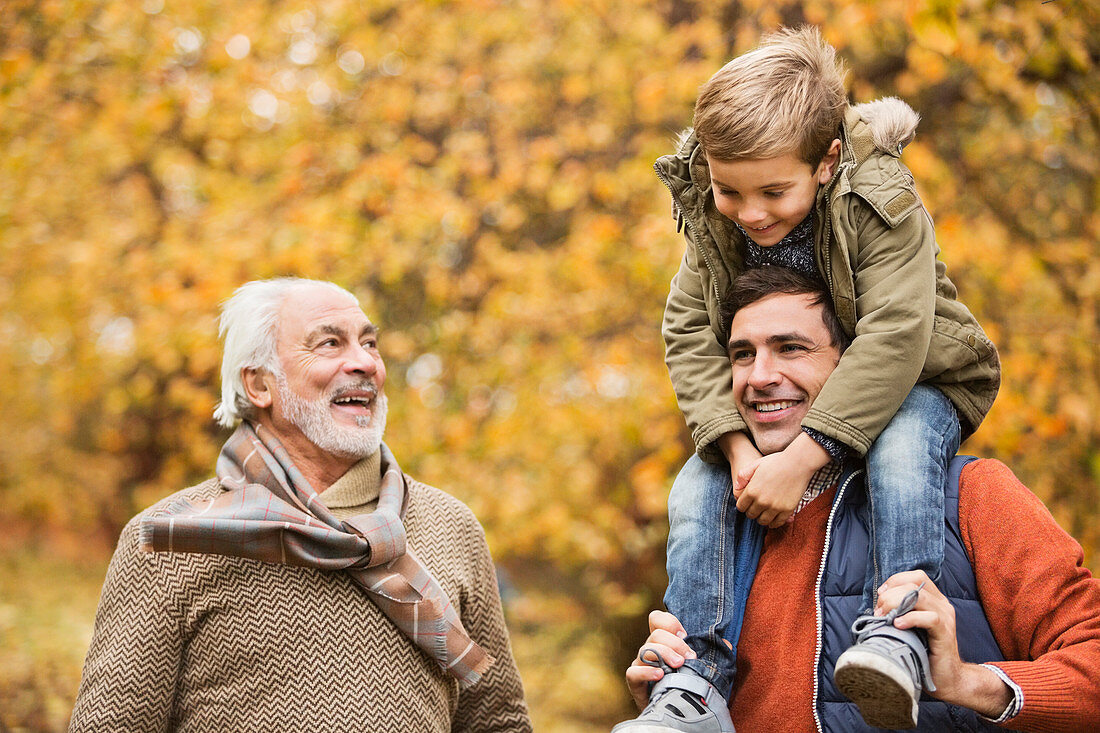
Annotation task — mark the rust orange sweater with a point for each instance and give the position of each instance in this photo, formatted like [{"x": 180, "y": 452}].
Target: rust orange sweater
[{"x": 1043, "y": 607}]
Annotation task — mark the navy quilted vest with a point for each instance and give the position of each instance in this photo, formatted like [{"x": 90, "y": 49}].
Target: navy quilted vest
[{"x": 841, "y": 590}]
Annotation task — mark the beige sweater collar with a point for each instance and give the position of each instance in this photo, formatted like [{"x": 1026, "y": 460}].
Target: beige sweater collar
[{"x": 356, "y": 492}]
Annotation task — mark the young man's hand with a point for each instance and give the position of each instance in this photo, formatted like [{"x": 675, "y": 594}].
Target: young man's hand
[
  {"x": 958, "y": 682},
  {"x": 666, "y": 639},
  {"x": 769, "y": 490}
]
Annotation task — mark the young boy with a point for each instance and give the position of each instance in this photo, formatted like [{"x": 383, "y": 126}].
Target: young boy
[{"x": 780, "y": 171}]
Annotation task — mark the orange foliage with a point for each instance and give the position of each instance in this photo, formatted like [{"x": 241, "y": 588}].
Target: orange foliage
[{"x": 479, "y": 171}]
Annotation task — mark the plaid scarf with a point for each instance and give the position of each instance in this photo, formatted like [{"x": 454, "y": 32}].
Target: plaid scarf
[{"x": 271, "y": 513}]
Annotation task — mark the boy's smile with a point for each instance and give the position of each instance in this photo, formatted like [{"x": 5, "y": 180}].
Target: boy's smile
[{"x": 771, "y": 196}]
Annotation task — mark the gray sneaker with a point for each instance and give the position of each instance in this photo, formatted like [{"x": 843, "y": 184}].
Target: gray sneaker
[
  {"x": 679, "y": 701},
  {"x": 883, "y": 671}
]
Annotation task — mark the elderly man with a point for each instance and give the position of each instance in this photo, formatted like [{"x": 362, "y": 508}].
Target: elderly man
[
  {"x": 1013, "y": 626},
  {"x": 311, "y": 585}
]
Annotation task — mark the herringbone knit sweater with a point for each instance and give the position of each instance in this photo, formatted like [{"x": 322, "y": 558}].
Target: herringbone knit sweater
[{"x": 189, "y": 642}]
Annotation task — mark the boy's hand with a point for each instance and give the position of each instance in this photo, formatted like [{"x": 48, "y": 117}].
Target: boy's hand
[
  {"x": 741, "y": 454},
  {"x": 769, "y": 490}
]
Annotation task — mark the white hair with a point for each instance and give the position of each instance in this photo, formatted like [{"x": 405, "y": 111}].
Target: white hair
[{"x": 249, "y": 327}]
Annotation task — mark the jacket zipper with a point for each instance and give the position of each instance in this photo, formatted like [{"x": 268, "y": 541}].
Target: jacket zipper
[
  {"x": 825, "y": 265},
  {"x": 694, "y": 234},
  {"x": 817, "y": 589}
]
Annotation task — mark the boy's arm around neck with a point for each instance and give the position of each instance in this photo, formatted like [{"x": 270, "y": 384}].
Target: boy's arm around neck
[
  {"x": 890, "y": 274},
  {"x": 698, "y": 364}
]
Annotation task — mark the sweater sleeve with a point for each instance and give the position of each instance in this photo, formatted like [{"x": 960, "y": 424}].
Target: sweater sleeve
[
  {"x": 129, "y": 677},
  {"x": 496, "y": 703},
  {"x": 1042, "y": 604}
]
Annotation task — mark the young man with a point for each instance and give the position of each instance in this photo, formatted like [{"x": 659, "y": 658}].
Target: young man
[{"x": 1013, "y": 625}]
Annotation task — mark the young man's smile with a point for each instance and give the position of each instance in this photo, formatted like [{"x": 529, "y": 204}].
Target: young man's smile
[{"x": 778, "y": 370}]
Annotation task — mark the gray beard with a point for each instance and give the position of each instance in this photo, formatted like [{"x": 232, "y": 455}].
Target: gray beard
[{"x": 316, "y": 422}]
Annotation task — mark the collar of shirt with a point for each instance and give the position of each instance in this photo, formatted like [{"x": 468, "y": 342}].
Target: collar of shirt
[{"x": 825, "y": 478}]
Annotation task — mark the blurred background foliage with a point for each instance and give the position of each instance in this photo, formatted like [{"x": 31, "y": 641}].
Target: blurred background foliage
[{"x": 479, "y": 172}]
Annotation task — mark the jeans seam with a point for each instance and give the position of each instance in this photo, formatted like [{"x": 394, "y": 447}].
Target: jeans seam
[
  {"x": 712, "y": 654},
  {"x": 871, "y": 502}
]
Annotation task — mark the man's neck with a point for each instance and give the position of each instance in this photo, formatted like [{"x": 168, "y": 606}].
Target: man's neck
[{"x": 323, "y": 475}]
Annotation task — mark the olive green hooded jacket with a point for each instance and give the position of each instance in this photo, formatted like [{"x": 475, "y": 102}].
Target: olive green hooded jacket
[{"x": 876, "y": 248}]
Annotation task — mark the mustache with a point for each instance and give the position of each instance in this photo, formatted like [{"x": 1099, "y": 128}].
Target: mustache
[
  {"x": 751, "y": 394},
  {"x": 364, "y": 385}
]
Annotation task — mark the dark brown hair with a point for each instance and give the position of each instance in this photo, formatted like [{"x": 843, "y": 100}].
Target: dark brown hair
[{"x": 760, "y": 282}]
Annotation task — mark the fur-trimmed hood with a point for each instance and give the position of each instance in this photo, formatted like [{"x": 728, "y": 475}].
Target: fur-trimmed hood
[{"x": 892, "y": 122}]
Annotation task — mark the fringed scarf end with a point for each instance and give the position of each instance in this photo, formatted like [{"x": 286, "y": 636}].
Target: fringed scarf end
[
  {"x": 145, "y": 536},
  {"x": 476, "y": 672}
]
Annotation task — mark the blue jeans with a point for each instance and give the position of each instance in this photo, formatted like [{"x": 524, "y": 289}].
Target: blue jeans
[
  {"x": 713, "y": 549},
  {"x": 906, "y": 475}
]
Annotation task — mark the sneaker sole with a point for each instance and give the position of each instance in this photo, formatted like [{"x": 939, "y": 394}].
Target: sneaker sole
[{"x": 881, "y": 689}]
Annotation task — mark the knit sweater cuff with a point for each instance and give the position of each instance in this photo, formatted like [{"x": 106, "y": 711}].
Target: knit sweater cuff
[{"x": 1048, "y": 702}]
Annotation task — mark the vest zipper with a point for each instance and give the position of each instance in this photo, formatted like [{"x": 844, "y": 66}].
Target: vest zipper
[{"x": 817, "y": 589}]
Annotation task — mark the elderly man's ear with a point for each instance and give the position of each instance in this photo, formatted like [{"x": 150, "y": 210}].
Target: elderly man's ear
[{"x": 257, "y": 385}]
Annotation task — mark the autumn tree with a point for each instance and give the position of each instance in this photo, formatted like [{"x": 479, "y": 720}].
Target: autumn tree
[{"x": 479, "y": 172}]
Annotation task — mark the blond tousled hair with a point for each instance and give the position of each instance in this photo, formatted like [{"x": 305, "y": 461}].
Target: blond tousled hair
[{"x": 784, "y": 97}]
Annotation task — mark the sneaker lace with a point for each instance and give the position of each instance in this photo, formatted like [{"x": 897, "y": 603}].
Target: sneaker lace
[{"x": 649, "y": 656}]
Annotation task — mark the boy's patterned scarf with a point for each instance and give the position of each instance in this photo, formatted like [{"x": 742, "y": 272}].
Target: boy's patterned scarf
[
  {"x": 271, "y": 513},
  {"x": 795, "y": 251}
]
